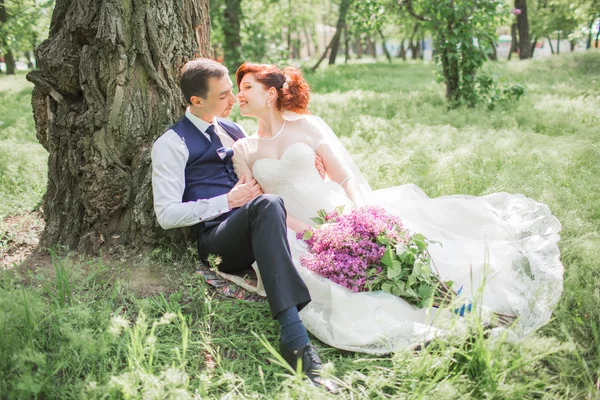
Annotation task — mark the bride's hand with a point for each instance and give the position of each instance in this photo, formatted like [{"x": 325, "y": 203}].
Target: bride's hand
[{"x": 320, "y": 166}]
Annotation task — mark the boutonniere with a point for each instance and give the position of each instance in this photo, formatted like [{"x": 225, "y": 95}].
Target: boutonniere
[{"x": 225, "y": 153}]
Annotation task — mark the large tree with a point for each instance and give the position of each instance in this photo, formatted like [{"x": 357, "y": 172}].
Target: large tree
[{"x": 106, "y": 88}]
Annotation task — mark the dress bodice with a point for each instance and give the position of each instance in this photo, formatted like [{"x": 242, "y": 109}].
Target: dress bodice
[{"x": 295, "y": 178}]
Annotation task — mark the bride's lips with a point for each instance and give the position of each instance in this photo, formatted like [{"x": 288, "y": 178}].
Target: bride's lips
[{"x": 242, "y": 103}]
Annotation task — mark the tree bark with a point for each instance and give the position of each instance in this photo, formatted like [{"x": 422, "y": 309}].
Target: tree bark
[
  {"x": 9, "y": 60},
  {"x": 232, "y": 17},
  {"x": 550, "y": 43},
  {"x": 558, "y": 44},
  {"x": 11, "y": 66},
  {"x": 335, "y": 42},
  {"x": 383, "y": 44},
  {"x": 572, "y": 43},
  {"x": 346, "y": 45},
  {"x": 402, "y": 50},
  {"x": 307, "y": 38},
  {"x": 494, "y": 54},
  {"x": 413, "y": 48},
  {"x": 106, "y": 88},
  {"x": 514, "y": 43},
  {"x": 359, "y": 49},
  {"x": 588, "y": 44},
  {"x": 533, "y": 44},
  {"x": 523, "y": 26}
]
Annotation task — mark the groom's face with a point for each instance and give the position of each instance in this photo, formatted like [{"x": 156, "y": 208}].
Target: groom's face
[{"x": 220, "y": 98}]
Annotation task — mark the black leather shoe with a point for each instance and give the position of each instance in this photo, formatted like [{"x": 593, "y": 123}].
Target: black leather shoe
[{"x": 311, "y": 365}]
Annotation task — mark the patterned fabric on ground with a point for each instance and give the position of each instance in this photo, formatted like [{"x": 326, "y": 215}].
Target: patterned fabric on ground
[{"x": 226, "y": 287}]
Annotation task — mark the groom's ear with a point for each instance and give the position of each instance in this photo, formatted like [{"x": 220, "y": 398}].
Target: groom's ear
[{"x": 196, "y": 101}]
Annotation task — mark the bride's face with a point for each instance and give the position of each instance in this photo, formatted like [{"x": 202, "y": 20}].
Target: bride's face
[{"x": 253, "y": 97}]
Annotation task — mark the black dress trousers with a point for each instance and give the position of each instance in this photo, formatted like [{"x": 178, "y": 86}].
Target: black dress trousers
[{"x": 257, "y": 232}]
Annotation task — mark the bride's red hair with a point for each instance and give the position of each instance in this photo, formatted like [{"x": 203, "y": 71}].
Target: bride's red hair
[{"x": 295, "y": 97}]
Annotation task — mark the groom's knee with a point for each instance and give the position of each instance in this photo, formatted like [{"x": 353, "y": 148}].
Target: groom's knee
[{"x": 267, "y": 203}]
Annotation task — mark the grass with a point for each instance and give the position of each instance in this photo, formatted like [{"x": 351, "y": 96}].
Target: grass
[{"x": 82, "y": 329}]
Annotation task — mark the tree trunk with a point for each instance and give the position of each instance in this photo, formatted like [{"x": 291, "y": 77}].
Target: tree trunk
[
  {"x": 550, "y": 43},
  {"x": 402, "y": 50},
  {"x": 106, "y": 88},
  {"x": 413, "y": 47},
  {"x": 335, "y": 42},
  {"x": 232, "y": 17},
  {"x": 358, "y": 48},
  {"x": 383, "y": 44},
  {"x": 9, "y": 59},
  {"x": 307, "y": 38},
  {"x": 346, "y": 45},
  {"x": 558, "y": 44},
  {"x": 514, "y": 43},
  {"x": 597, "y": 35},
  {"x": 422, "y": 48},
  {"x": 494, "y": 54},
  {"x": 8, "y": 55},
  {"x": 588, "y": 44},
  {"x": 29, "y": 62},
  {"x": 572, "y": 43},
  {"x": 533, "y": 46},
  {"x": 523, "y": 26},
  {"x": 451, "y": 75}
]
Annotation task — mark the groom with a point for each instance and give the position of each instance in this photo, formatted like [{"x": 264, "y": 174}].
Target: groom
[{"x": 194, "y": 184}]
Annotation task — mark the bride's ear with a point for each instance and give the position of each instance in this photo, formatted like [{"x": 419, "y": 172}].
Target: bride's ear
[{"x": 272, "y": 94}]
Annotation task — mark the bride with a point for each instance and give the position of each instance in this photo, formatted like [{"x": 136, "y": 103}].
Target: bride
[{"x": 500, "y": 248}]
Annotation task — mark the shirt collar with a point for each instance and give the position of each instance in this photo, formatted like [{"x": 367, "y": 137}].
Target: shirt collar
[{"x": 201, "y": 124}]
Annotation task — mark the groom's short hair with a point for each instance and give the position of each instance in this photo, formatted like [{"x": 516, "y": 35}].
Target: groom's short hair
[{"x": 195, "y": 75}]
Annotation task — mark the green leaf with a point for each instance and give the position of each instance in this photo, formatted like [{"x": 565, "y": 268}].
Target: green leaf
[
  {"x": 388, "y": 258},
  {"x": 420, "y": 241},
  {"x": 395, "y": 270},
  {"x": 318, "y": 220},
  {"x": 425, "y": 291},
  {"x": 387, "y": 287},
  {"x": 307, "y": 234}
]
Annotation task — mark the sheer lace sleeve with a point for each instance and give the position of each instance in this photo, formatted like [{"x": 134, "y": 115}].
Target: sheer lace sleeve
[
  {"x": 333, "y": 157},
  {"x": 240, "y": 160}
]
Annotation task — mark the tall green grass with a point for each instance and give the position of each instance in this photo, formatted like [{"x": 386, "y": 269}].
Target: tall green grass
[
  {"x": 79, "y": 330},
  {"x": 22, "y": 159}
]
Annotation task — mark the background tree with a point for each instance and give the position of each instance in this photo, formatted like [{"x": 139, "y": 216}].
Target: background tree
[
  {"x": 523, "y": 28},
  {"x": 23, "y": 24},
  {"x": 106, "y": 88},
  {"x": 333, "y": 46},
  {"x": 232, "y": 16},
  {"x": 462, "y": 35}
]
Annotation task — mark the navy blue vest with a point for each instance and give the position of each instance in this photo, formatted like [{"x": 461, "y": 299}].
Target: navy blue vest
[{"x": 206, "y": 174}]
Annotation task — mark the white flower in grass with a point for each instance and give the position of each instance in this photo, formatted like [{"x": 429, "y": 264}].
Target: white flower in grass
[
  {"x": 117, "y": 325},
  {"x": 180, "y": 394},
  {"x": 166, "y": 319},
  {"x": 151, "y": 340},
  {"x": 175, "y": 377}
]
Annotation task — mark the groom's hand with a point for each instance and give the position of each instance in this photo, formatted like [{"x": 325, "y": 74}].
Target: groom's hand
[{"x": 243, "y": 192}]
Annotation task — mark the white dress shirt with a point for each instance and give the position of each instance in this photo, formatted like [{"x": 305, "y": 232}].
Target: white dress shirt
[{"x": 169, "y": 157}]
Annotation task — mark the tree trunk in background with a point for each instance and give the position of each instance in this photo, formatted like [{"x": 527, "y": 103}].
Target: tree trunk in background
[
  {"x": 232, "y": 17},
  {"x": 533, "y": 44},
  {"x": 307, "y": 38},
  {"x": 9, "y": 59},
  {"x": 29, "y": 62},
  {"x": 335, "y": 42},
  {"x": 494, "y": 55},
  {"x": 558, "y": 44},
  {"x": 384, "y": 46},
  {"x": 358, "y": 48},
  {"x": 550, "y": 43},
  {"x": 106, "y": 88},
  {"x": 523, "y": 27},
  {"x": 514, "y": 43},
  {"x": 346, "y": 45},
  {"x": 411, "y": 43},
  {"x": 402, "y": 50},
  {"x": 573, "y": 43},
  {"x": 588, "y": 44}
]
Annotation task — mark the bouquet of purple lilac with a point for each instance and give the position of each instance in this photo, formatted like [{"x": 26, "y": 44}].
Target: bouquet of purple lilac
[{"x": 369, "y": 249}]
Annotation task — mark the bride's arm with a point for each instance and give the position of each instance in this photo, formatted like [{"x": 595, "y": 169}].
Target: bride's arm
[
  {"x": 240, "y": 162},
  {"x": 353, "y": 192},
  {"x": 296, "y": 225}
]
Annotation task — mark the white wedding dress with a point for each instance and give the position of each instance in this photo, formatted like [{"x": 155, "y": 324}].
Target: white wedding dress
[{"x": 508, "y": 240}]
